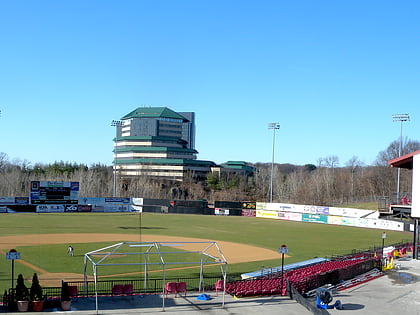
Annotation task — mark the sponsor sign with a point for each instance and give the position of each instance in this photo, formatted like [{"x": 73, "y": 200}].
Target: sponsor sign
[
  {"x": 70, "y": 208},
  {"x": 291, "y": 216},
  {"x": 276, "y": 206},
  {"x": 136, "y": 208},
  {"x": 249, "y": 205},
  {"x": 349, "y": 221},
  {"x": 7, "y": 200},
  {"x": 218, "y": 211},
  {"x": 94, "y": 201},
  {"x": 138, "y": 201},
  {"x": 318, "y": 218},
  {"x": 117, "y": 200},
  {"x": 84, "y": 208},
  {"x": 388, "y": 225},
  {"x": 309, "y": 209},
  {"x": 323, "y": 210},
  {"x": 249, "y": 212},
  {"x": 22, "y": 200},
  {"x": 116, "y": 208},
  {"x": 337, "y": 220},
  {"x": 266, "y": 214},
  {"x": 50, "y": 208}
]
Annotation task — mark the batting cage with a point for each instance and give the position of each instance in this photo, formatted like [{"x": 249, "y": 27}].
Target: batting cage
[{"x": 155, "y": 257}]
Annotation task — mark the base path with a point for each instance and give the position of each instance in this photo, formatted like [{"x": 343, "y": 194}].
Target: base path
[{"x": 233, "y": 252}]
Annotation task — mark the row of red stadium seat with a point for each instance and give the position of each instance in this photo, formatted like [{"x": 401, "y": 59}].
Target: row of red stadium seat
[{"x": 301, "y": 278}]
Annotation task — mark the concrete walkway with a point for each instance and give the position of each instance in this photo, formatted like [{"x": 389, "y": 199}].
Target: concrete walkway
[{"x": 398, "y": 292}]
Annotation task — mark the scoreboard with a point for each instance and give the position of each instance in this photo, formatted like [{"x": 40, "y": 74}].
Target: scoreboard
[{"x": 46, "y": 192}]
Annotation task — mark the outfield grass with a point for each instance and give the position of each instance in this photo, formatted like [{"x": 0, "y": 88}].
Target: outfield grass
[
  {"x": 304, "y": 240},
  {"x": 363, "y": 205}
]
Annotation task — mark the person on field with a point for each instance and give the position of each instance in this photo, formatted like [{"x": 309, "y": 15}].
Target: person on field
[{"x": 70, "y": 250}]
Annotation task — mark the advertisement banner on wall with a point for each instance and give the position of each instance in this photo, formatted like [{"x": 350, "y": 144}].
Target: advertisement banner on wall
[
  {"x": 316, "y": 218},
  {"x": 117, "y": 200},
  {"x": 22, "y": 200},
  {"x": 94, "y": 201},
  {"x": 266, "y": 214},
  {"x": 136, "y": 208},
  {"x": 249, "y": 212},
  {"x": 137, "y": 201},
  {"x": 309, "y": 209},
  {"x": 84, "y": 208},
  {"x": 249, "y": 205},
  {"x": 293, "y": 216},
  {"x": 362, "y": 222},
  {"x": 332, "y": 219},
  {"x": 323, "y": 210},
  {"x": 71, "y": 208},
  {"x": 4, "y": 209},
  {"x": 351, "y": 212},
  {"x": 116, "y": 208},
  {"x": 49, "y": 208},
  {"x": 276, "y": 206},
  {"x": 7, "y": 200},
  {"x": 349, "y": 221},
  {"x": 219, "y": 211},
  {"x": 388, "y": 225}
]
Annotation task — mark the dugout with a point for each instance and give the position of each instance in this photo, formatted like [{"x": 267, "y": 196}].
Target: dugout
[{"x": 152, "y": 254}]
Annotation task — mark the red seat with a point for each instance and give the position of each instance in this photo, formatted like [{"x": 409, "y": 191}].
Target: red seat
[
  {"x": 128, "y": 289},
  {"x": 73, "y": 292},
  {"x": 170, "y": 288},
  {"x": 219, "y": 286},
  {"x": 117, "y": 289},
  {"x": 181, "y": 287}
]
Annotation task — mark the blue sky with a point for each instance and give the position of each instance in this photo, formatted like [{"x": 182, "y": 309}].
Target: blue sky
[{"x": 332, "y": 73}]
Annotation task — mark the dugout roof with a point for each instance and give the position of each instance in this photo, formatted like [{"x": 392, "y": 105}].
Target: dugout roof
[{"x": 405, "y": 161}]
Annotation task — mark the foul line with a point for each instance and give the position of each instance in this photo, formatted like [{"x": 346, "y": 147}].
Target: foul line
[{"x": 27, "y": 264}]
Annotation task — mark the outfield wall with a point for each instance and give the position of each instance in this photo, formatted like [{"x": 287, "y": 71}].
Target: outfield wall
[
  {"x": 326, "y": 215},
  {"x": 278, "y": 211}
]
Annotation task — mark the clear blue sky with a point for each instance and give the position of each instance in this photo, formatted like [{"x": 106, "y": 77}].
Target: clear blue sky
[{"x": 332, "y": 73}]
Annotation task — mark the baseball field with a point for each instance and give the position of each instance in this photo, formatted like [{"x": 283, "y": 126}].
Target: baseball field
[{"x": 248, "y": 244}]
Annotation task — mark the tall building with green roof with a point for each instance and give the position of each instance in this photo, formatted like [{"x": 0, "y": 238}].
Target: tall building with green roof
[{"x": 158, "y": 142}]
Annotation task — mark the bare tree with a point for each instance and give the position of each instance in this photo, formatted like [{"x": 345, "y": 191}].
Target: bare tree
[{"x": 392, "y": 151}]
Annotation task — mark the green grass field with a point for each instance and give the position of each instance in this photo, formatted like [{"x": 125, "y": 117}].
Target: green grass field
[{"x": 304, "y": 240}]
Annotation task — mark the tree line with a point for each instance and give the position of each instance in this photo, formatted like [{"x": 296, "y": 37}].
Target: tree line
[{"x": 326, "y": 183}]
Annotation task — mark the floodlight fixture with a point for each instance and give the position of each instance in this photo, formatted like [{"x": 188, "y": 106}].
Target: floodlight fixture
[{"x": 401, "y": 117}]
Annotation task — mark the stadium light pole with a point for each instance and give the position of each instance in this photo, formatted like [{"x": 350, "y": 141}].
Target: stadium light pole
[
  {"x": 274, "y": 127},
  {"x": 116, "y": 124},
  {"x": 400, "y": 118}
]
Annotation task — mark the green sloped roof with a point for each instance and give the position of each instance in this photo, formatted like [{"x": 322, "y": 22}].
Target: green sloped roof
[
  {"x": 238, "y": 165},
  {"x": 153, "y": 112},
  {"x": 151, "y": 138},
  {"x": 166, "y": 161},
  {"x": 154, "y": 149}
]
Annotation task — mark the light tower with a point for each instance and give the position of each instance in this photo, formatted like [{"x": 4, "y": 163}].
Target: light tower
[
  {"x": 274, "y": 127},
  {"x": 400, "y": 118},
  {"x": 116, "y": 124}
]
